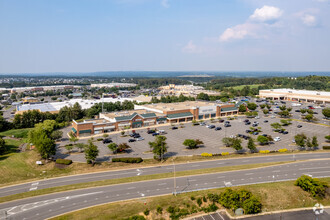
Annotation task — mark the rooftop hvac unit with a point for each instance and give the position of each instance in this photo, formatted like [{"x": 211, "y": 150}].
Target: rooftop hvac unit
[
  {"x": 171, "y": 108},
  {"x": 318, "y": 93}
]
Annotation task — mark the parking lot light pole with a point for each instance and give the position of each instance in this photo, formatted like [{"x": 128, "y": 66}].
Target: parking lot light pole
[{"x": 174, "y": 180}]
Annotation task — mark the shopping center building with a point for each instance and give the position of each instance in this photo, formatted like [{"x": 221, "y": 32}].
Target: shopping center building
[
  {"x": 153, "y": 114},
  {"x": 296, "y": 95}
]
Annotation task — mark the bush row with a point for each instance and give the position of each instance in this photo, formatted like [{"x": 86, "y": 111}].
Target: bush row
[
  {"x": 264, "y": 151},
  {"x": 64, "y": 161},
  {"x": 283, "y": 150},
  {"x": 326, "y": 147},
  {"x": 128, "y": 159}
]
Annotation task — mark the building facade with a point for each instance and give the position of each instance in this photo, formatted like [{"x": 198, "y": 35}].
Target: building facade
[
  {"x": 153, "y": 114},
  {"x": 296, "y": 95}
]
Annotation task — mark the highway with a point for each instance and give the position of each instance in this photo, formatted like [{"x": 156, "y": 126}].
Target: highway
[
  {"x": 46, "y": 206},
  {"x": 83, "y": 178}
]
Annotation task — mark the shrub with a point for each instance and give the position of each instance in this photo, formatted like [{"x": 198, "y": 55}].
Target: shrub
[
  {"x": 211, "y": 208},
  {"x": 326, "y": 147},
  {"x": 204, "y": 199},
  {"x": 89, "y": 161},
  {"x": 283, "y": 150},
  {"x": 170, "y": 209},
  {"x": 159, "y": 210},
  {"x": 128, "y": 159},
  {"x": 224, "y": 153},
  {"x": 146, "y": 212},
  {"x": 206, "y": 155},
  {"x": 264, "y": 151},
  {"x": 192, "y": 198},
  {"x": 312, "y": 185},
  {"x": 64, "y": 161},
  {"x": 199, "y": 201},
  {"x": 99, "y": 139},
  {"x": 136, "y": 217}
]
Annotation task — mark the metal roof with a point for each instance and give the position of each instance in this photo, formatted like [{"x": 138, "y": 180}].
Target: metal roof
[
  {"x": 229, "y": 109},
  {"x": 180, "y": 115}
]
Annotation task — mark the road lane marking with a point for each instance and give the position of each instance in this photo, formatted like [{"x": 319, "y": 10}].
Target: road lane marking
[
  {"x": 312, "y": 168},
  {"x": 33, "y": 188},
  {"x": 131, "y": 187},
  {"x": 249, "y": 174}
]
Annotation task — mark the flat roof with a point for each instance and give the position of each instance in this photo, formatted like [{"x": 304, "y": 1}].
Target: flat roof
[
  {"x": 179, "y": 105},
  {"x": 130, "y": 112},
  {"x": 296, "y": 91},
  {"x": 56, "y": 106}
]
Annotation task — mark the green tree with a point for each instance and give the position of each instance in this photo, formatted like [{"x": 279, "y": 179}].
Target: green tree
[
  {"x": 46, "y": 147},
  {"x": 113, "y": 147},
  {"x": 252, "y": 106},
  {"x": 315, "y": 144},
  {"x": 3, "y": 147},
  {"x": 262, "y": 106},
  {"x": 190, "y": 143},
  {"x": 251, "y": 145},
  {"x": 69, "y": 147},
  {"x": 327, "y": 138},
  {"x": 73, "y": 138},
  {"x": 276, "y": 125},
  {"x": 57, "y": 134},
  {"x": 265, "y": 111},
  {"x": 300, "y": 139},
  {"x": 252, "y": 205},
  {"x": 81, "y": 146},
  {"x": 310, "y": 111},
  {"x": 227, "y": 141},
  {"x": 309, "y": 117},
  {"x": 286, "y": 122},
  {"x": 159, "y": 146},
  {"x": 262, "y": 140},
  {"x": 123, "y": 147},
  {"x": 242, "y": 108},
  {"x": 203, "y": 96},
  {"x": 303, "y": 111},
  {"x": 91, "y": 152},
  {"x": 326, "y": 112},
  {"x": 283, "y": 107},
  {"x": 237, "y": 144},
  {"x": 309, "y": 143}
]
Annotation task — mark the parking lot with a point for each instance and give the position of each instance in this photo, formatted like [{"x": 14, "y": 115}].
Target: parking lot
[{"x": 212, "y": 139}]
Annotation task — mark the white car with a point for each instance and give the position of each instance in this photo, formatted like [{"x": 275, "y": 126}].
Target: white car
[
  {"x": 277, "y": 139},
  {"x": 273, "y": 116},
  {"x": 140, "y": 139}
]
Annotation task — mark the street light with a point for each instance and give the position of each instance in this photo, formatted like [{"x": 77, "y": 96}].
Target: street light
[{"x": 174, "y": 180}]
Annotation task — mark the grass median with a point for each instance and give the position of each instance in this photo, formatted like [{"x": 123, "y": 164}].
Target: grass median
[
  {"x": 134, "y": 179},
  {"x": 273, "y": 196}
]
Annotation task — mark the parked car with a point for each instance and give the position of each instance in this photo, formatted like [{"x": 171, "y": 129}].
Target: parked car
[
  {"x": 285, "y": 132},
  {"x": 151, "y": 131},
  {"x": 315, "y": 113},
  {"x": 247, "y": 131},
  {"x": 218, "y": 128},
  {"x": 266, "y": 121},
  {"x": 246, "y": 120},
  {"x": 240, "y": 135},
  {"x": 247, "y": 123},
  {"x": 227, "y": 125},
  {"x": 311, "y": 107},
  {"x": 202, "y": 124},
  {"x": 227, "y": 122},
  {"x": 273, "y": 116},
  {"x": 257, "y": 117},
  {"x": 255, "y": 133},
  {"x": 211, "y": 126},
  {"x": 140, "y": 139},
  {"x": 297, "y": 110},
  {"x": 280, "y": 131},
  {"x": 131, "y": 140},
  {"x": 174, "y": 128},
  {"x": 299, "y": 126},
  {"x": 155, "y": 134},
  {"x": 107, "y": 140},
  {"x": 276, "y": 139},
  {"x": 221, "y": 120},
  {"x": 265, "y": 135}
]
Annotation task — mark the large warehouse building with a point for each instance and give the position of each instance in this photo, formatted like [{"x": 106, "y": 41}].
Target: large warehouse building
[
  {"x": 153, "y": 114},
  {"x": 296, "y": 95},
  {"x": 54, "y": 107}
]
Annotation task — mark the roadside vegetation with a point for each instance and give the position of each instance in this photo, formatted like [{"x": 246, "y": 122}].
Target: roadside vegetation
[{"x": 267, "y": 197}]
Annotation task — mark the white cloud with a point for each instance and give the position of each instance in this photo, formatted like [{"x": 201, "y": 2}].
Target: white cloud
[
  {"x": 237, "y": 32},
  {"x": 165, "y": 3},
  {"x": 190, "y": 47},
  {"x": 309, "y": 20},
  {"x": 266, "y": 14}
]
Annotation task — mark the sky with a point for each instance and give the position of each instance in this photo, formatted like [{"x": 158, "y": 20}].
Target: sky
[{"x": 40, "y": 36}]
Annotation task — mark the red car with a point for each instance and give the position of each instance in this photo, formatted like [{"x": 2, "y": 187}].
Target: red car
[{"x": 311, "y": 107}]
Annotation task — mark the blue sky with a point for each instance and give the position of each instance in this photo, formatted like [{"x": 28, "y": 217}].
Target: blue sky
[{"x": 164, "y": 35}]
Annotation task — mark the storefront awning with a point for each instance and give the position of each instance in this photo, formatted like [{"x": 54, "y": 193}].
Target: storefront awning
[
  {"x": 98, "y": 129},
  {"x": 74, "y": 130},
  {"x": 180, "y": 115},
  {"x": 109, "y": 127}
]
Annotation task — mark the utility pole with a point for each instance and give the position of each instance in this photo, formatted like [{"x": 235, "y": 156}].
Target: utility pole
[{"x": 174, "y": 180}]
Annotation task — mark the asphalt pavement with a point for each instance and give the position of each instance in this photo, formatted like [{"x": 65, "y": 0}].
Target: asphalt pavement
[
  {"x": 83, "y": 178},
  {"x": 42, "y": 207}
]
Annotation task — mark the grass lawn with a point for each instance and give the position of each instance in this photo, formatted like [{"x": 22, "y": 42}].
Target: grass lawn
[
  {"x": 19, "y": 133},
  {"x": 273, "y": 196},
  {"x": 254, "y": 86},
  {"x": 54, "y": 171}
]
